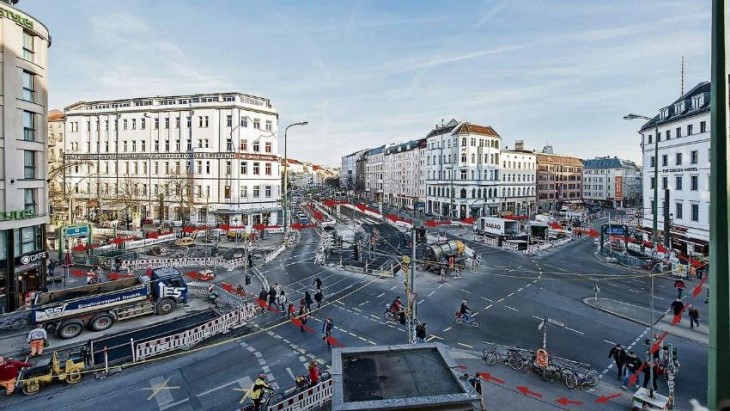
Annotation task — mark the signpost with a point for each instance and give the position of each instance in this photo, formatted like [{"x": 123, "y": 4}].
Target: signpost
[
  {"x": 596, "y": 290},
  {"x": 72, "y": 231}
]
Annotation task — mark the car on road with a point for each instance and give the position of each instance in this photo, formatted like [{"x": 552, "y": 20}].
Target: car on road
[{"x": 185, "y": 242}]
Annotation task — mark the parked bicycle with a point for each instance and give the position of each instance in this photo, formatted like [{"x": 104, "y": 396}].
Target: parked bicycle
[
  {"x": 491, "y": 356},
  {"x": 470, "y": 320}
]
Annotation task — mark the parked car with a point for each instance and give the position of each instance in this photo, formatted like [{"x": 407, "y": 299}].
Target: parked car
[{"x": 185, "y": 242}]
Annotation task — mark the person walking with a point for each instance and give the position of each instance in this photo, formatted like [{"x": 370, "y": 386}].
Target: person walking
[
  {"x": 308, "y": 300},
  {"x": 37, "y": 338},
  {"x": 327, "y": 328},
  {"x": 282, "y": 301},
  {"x": 313, "y": 373},
  {"x": 9, "y": 369},
  {"x": 646, "y": 370},
  {"x": 263, "y": 294},
  {"x": 303, "y": 316},
  {"x": 272, "y": 297},
  {"x": 680, "y": 286},
  {"x": 618, "y": 354},
  {"x": 421, "y": 333},
  {"x": 694, "y": 316},
  {"x": 633, "y": 363},
  {"x": 318, "y": 297},
  {"x": 317, "y": 283},
  {"x": 677, "y": 308}
]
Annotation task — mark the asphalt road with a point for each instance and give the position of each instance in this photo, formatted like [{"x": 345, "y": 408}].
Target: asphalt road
[{"x": 507, "y": 293}]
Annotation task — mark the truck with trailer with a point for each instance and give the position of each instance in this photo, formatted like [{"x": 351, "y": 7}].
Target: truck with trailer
[
  {"x": 97, "y": 306},
  {"x": 497, "y": 227},
  {"x": 437, "y": 256}
]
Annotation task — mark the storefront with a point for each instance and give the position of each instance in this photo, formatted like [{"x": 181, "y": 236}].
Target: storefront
[{"x": 22, "y": 264}]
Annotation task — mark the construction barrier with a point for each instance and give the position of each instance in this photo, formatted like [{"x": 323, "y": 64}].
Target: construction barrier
[
  {"x": 203, "y": 290},
  {"x": 187, "y": 339},
  {"x": 309, "y": 399}
]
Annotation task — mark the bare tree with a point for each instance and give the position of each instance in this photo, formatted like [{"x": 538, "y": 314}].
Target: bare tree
[
  {"x": 128, "y": 195},
  {"x": 178, "y": 189}
]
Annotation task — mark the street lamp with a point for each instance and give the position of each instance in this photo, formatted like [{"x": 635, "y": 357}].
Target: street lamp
[
  {"x": 286, "y": 165},
  {"x": 632, "y": 116}
]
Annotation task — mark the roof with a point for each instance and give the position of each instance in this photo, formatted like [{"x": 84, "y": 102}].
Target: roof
[
  {"x": 376, "y": 150},
  {"x": 467, "y": 128},
  {"x": 444, "y": 129},
  {"x": 701, "y": 88},
  {"x": 607, "y": 163},
  {"x": 559, "y": 159},
  {"x": 79, "y": 104},
  {"x": 55, "y": 115},
  {"x": 407, "y": 146}
]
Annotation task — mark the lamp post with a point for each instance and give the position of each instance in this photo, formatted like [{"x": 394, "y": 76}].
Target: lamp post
[
  {"x": 286, "y": 165},
  {"x": 655, "y": 240}
]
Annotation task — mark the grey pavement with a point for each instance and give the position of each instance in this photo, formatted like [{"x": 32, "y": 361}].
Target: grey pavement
[{"x": 625, "y": 310}]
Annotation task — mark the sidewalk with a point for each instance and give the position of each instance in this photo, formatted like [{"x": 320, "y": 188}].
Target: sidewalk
[{"x": 628, "y": 311}]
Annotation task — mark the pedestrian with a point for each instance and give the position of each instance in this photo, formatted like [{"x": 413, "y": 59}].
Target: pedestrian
[
  {"x": 421, "y": 333},
  {"x": 272, "y": 297},
  {"x": 117, "y": 264},
  {"x": 148, "y": 273},
  {"x": 313, "y": 373},
  {"x": 318, "y": 296},
  {"x": 694, "y": 316},
  {"x": 618, "y": 354},
  {"x": 37, "y": 339},
  {"x": 240, "y": 290},
  {"x": 100, "y": 276},
  {"x": 9, "y": 369},
  {"x": 646, "y": 369},
  {"x": 327, "y": 328},
  {"x": 303, "y": 317},
  {"x": 282, "y": 301},
  {"x": 317, "y": 283},
  {"x": 633, "y": 363},
  {"x": 308, "y": 300},
  {"x": 680, "y": 286},
  {"x": 277, "y": 287},
  {"x": 291, "y": 311},
  {"x": 257, "y": 391},
  {"x": 263, "y": 294},
  {"x": 677, "y": 308},
  {"x": 91, "y": 277}
]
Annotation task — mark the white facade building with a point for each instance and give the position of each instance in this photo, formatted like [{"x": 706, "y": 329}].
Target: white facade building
[
  {"x": 684, "y": 169},
  {"x": 519, "y": 170},
  {"x": 374, "y": 167},
  {"x": 23, "y": 158},
  {"x": 611, "y": 181},
  {"x": 207, "y": 158},
  {"x": 462, "y": 166},
  {"x": 348, "y": 171},
  {"x": 402, "y": 174}
]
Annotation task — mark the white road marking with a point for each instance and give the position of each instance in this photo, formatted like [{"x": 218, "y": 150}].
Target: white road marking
[
  {"x": 421, "y": 301},
  {"x": 488, "y": 307},
  {"x": 468, "y": 292},
  {"x": 291, "y": 374},
  {"x": 393, "y": 287},
  {"x": 487, "y": 299},
  {"x": 500, "y": 300},
  {"x": 633, "y": 291},
  {"x": 511, "y": 308},
  {"x": 609, "y": 342},
  {"x": 510, "y": 295},
  {"x": 381, "y": 294},
  {"x": 434, "y": 337},
  {"x": 465, "y": 345},
  {"x": 527, "y": 285},
  {"x": 447, "y": 329},
  {"x": 363, "y": 303},
  {"x": 520, "y": 289},
  {"x": 574, "y": 330},
  {"x": 431, "y": 293}
]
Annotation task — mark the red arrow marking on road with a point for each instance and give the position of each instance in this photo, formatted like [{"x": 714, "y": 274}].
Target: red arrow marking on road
[
  {"x": 606, "y": 398},
  {"x": 298, "y": 323},
  {"x": 698, "y": 288},
  {"x": 565, "y": 401},
  {"x": 488, "y": 377},
  {"x": 526, "y": 391},
  {"x": 333, "y": 342}
]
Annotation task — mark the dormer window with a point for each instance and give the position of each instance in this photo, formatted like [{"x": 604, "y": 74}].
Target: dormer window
[
  {"x": 698, "y": 101},
  {"x": 680, "y": 107},
  {"x": 664, "y": 113}
]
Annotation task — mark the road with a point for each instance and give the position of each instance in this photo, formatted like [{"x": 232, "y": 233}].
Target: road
[{"x": 507, "y": 293}]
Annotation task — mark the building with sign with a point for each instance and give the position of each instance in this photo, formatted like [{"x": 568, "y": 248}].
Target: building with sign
[
  {"x": 203, "y": 158},
  {"x": 684, "y": 169},
  {"x": 559, "y": 180},
  {"x": 462, "y": 170},
  {"x": 402, "y": 174},
  {"x": 611, "y": 181},
  {"x": 519, "y": 171},
  {"x": 25, "y": 42}
]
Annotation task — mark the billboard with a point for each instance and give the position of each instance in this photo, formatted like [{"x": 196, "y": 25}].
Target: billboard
[{"x": 619, "y": 181}]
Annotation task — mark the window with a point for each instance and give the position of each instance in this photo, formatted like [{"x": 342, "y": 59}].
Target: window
[
  {"x": 29, "y": 199},
  {"x": 649, "y": 139},
  {"x": 268, "y": 169},
  {"x": 134, "y": 146},
  {"x": 693, "y": 182},
  {"x": 653, "y": 161},
  {"x": 244, "y": 145},
  {"x": 703, "y": 126},
  {"x": 229, "y": 144},
  {"x": 665, "y": 182},
  {"x": 268, "y": 128},
  {"x": 244, "y": 167},
  {"x": 167, "y": 122},
  {"x": 227, "y": 192},
  {"x": 190, "y": 121},
  {"x": 124, "y": 144},
  {"x": 267, "y": 192},
  {"x": 665, "y": 160},
  {"x": 653, "y": 182},
  {"x": 28, "y": 86},
  {"x": 678, "y": 183},
  {"x": 669, "y": 135},
  {"x": 689, "y": 129},
  {"x": 143, "y": 145},
  {"x": 124, "y": 124},
  {"x": 167, "y": 145},
  {"x": 134, "y": 124},
  {"x": 229, "y": 121},
  {"x": 256, "y": 168},
  {"x": 28, "y": 46},
  {"x": 693, "y": 156},
  {"x": 267, "y": 148},
  {"x": 244, "y": 122},
  {"x": 257, "y": 124},
  {"x": 157, "y": 146},
  {"x": 679, "y": 132},
  {"x": 695, "y": 212},
  {"x": 207, "y": 167},
  {"x": 157, "y": 123},
  {"x": 29, "y": 164},
  {"x": 142, "y": 123},
  {"x": 256, "y": 147},
  {"x": 244, "y": 192},
  {"x": 256, "y": 191},
  {"x": 678, "y": 211},
  {"x": 678, "y": 159},
  {"x": 228, "y": 167},
  {"x": 28, "y": 126}
]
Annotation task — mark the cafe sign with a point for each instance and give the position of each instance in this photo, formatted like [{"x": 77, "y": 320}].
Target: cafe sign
[
  {"x": 16, "y": 215},
  {"x": 18, "y": 18},
  {"x": 31, "y": 258}
]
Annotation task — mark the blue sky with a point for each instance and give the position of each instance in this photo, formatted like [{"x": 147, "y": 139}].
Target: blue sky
[{"x": 365, "y": 73}]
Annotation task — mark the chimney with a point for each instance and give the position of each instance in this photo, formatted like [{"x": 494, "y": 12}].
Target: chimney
[{"x": 519, "y": 145}]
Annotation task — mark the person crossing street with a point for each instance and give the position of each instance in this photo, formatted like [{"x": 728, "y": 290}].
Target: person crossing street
[
  {"x": 327, "y": 328},
  {"x": 618, "y": 354}
]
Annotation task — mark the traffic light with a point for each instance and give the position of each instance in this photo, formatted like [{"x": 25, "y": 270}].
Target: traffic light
[{"x": 248, "y": 280}]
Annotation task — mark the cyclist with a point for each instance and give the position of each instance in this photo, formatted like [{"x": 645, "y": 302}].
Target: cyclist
[
  {"x": 464, "y": 311},
  {"x": 396, "y": 306},
  {"x": 257, "y": 391}
]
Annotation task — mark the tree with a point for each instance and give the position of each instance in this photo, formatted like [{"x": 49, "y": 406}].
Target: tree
[
  {"x": 178, "y": 189},
  {"x": 128, "y": 195}
]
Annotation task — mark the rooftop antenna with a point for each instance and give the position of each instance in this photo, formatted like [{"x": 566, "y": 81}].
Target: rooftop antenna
[{"x": 682, "y": 93}]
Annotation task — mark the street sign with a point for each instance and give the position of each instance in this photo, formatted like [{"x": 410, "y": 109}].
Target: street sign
[
  {"x": 555, "y": 322},
  {"x": 615, "y": 229},
  {"x": 77, "y": 230}
]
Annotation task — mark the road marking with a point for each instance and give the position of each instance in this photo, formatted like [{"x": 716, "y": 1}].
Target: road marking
[
  {"x": 431, "y": 293},
  {"x": 381, "y": 294},
  {"x": 160, "y": 391},
  {"x": 574, "y": 330},
  {"x": 363, "y": 303},
  {"x": 468, "y": 292},
  {"x": 527, "y": 285},
  {"x": 421, "y": 301},
  {"x": 393, "y": 287},
  {"x": 511, "y": 308},
  {"x": 434, "y": 337},
  {"x": 500, "y": 300},
  {"x": 488, "y": 307},
  {"x": 447, "y": 329},
  {"x": 244, "y": 382},
  {"x": 520, "y": 289},
  {"x": 357, "y": 309},
  {"x": 609, "y": 342},
  {"x": 510, "y": 295},
  {"x": 291, "y": 374},
  {"x": 633, "y": 291},
  {"x": 485, "y": 298},
  {"x": 465, "y": 345}
]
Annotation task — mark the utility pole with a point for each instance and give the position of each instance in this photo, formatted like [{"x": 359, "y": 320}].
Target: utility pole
[{"x": 412, "y": 286}]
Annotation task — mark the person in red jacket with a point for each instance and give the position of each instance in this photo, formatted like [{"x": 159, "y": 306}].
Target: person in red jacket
[
  {"x": 9, "y": 369},
  {"x": 313, "y": 373}
]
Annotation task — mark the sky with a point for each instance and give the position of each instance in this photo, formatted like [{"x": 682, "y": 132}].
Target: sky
[{"x": 367, "y": 73}]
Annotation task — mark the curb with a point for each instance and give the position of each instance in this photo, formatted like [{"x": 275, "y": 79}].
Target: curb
[{"x": 626, "y": 317}]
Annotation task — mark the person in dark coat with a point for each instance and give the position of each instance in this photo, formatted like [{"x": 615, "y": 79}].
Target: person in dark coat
[
  {"x": 618, "y": 354},
  {"x": 633, "y": 363},
  {"x": 308, "y": 300},
  {"x": 263, "y": 294},
  {"x": 318, "y": 296},
  {"x": 317, "y": 283},
  {"x": 677, "y": 308},
  {"x": 647, "y": 374},
  {"x": 272, "y": 297}
]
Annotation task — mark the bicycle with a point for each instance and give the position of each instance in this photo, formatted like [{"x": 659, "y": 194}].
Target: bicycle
[
  {"x": 491, "y": 357},
  {"x": 389, "y": 314},
  {"x": 471, "y": 320},
  {"x": 271, "y": 397},
  {"x": 579, "y": 375},
  {"x": 303, "y": 382}
]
